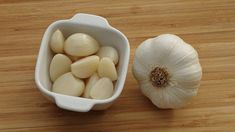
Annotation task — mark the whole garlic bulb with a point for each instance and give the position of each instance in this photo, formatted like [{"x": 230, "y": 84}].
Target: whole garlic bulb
[{"x": 167, "y": 70}]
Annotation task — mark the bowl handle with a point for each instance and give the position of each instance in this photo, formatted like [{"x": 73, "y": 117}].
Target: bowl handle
[
  {"x": 90, "y": 19},
  {"x": 73, "y": 103}
]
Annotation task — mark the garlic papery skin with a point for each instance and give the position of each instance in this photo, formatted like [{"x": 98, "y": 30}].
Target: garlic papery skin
[{"x": 167, "y": 70}]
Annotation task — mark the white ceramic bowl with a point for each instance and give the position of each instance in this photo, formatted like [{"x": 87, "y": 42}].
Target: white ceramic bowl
[{"x": 99, "y": 28}]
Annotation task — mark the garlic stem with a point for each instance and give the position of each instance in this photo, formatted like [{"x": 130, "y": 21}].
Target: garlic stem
[{"x": 159, "y": 77}]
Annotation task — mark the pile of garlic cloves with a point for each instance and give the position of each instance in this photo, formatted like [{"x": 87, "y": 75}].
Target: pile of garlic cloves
[{"x": 81, "y": 67}]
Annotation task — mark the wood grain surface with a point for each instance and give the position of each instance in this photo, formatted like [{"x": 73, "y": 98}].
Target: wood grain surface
[{"x": 209, "y": 25}]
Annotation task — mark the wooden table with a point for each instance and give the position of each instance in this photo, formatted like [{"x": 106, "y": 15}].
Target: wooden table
[{"x": 209, "y": 25}]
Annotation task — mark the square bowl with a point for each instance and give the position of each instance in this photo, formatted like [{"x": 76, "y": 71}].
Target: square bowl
[{"x": 99, "y": 28}]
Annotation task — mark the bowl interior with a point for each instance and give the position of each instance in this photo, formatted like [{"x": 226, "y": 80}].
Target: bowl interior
[{"x": 106, "y": 36}]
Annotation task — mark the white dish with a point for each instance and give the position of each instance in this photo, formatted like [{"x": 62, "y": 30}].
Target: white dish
[{"x": 99, "y": 28}]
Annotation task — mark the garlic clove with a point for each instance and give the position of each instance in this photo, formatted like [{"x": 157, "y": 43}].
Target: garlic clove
[
  {"x": 159, "y": 57},
  {"x": 57, "y": 42},
  {"x": 85, "y": 67},
  {"x": 110, "y": 52},
  {"x": 90, "y": 83},
  {"x": 142, "y": 74},
  {"x": 107, "y": 68},
  {"x": 69, "y": 85},
  {"x": 182, "y": 53},
  {"x": 80, "y": 44},
  {"x": 192, "y": 73},
  {"x": 60, "y": 64},
  {"x": 102, "y": 89},
  {"x": 174, "y": 97}
]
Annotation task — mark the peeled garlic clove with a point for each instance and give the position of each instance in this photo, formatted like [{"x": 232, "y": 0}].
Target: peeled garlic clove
[
  {"x": 110, "y": 52},
  {"x": 60, "y": 64},
  {"x": 85, "y": 67},
  {"x": 69, "y": 85},
  {"x": 80, "y": 44},
  {"x": 57, "y": 42},
  {"x": 91, "y": 82},
  {"x": 102, "y": 89},
  {"x": 107, "y": 68}
]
